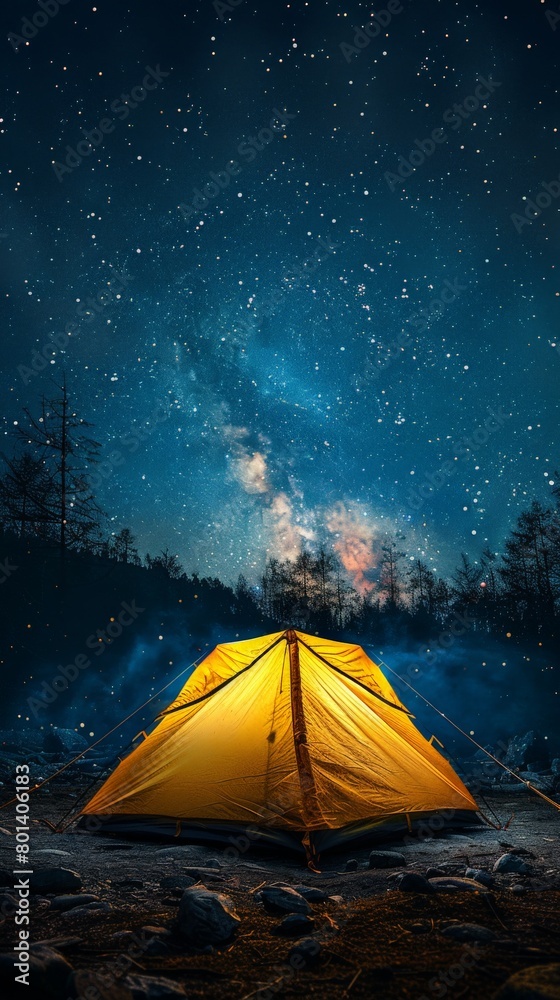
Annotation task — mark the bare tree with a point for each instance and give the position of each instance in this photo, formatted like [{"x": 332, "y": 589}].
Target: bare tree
[{"x": 57, "y": 438}]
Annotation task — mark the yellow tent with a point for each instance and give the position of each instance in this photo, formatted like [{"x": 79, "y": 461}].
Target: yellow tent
[{"x": 288, "y": 738}]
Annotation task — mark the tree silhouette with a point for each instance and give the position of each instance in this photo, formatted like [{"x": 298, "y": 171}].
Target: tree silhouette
[
  {"x": 166, "y": 564},
  {"x": 466, "y": 582},
  {"x": 27, "y": 495},
  {"x": 123, "y": 547},
  {"x": 420, "y": 586},
  {"x": 390, "y": 576},
  {"x": 57, "y": 439},
  {"x": 531, "y": 564}
]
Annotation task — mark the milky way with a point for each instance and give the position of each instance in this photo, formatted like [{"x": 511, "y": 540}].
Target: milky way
[{"x": 300, "y": 266}]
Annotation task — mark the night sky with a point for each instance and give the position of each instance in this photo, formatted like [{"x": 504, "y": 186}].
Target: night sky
[{"x": 238, "y": 371}]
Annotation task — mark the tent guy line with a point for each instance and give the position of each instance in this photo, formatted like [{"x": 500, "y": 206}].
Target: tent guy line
[
  {"x": 468, "y": 737},
  {"x": 92, "y": 746}
]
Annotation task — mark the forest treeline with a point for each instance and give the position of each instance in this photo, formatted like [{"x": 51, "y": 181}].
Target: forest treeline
[{"x": 50, "y": 516}]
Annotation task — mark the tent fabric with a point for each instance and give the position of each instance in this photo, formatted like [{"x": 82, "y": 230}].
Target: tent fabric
[{"x": 285, "y": 731}]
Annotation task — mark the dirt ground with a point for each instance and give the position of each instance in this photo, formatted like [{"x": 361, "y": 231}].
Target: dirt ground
[{"x": 376, "y": 941}]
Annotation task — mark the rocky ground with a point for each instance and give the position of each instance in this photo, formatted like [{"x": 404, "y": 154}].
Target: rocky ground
[{"x": 472, "y": 914}]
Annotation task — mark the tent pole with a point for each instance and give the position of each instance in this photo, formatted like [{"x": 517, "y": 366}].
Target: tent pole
[{"x": 311, "y": 808}]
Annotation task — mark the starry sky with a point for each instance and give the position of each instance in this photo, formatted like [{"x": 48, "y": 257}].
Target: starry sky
[{"x": 279, "y": 337}]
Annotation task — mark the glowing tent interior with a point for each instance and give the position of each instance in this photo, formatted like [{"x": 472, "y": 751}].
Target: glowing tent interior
[{"x": 286, "y": 738}]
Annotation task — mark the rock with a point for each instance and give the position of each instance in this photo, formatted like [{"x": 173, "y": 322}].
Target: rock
[
  {"x": 538, "y": 982},
  {"x": 53, "y": 851},
  {"x": 8, "y": 904},
  {"x": 434, "y": 872},
  {"x": 69, "y": 902},
  {"x": 91, "y": 910},
  {"x": 521, "y": 851},
  {"x": 518, "y": 889},
  {"x": 177, "y": 882},
  {"x": 173, "y": 900},
  {"x": 539, "y": 781},
  {"x": 127, "y": 883},
  {"x": 278, "y": 901},
  {"x": 468, "y": 932},
  {"x": 336, "y": 899},
  {"x": 203, "y": 874},
  {"x": 386, "y": 859},
  {"x": 48, "y": 971},
  {"x": 55, "y": 880},
  {"x": 64, "y": 741},
  {"x": 450, "y": 883},
  {"x": 123, "y": 937},
  {"x": 156, "y": 940},
  {"x": 305, "y": 954},
  {"x": 153, "y": 988},
  {"x": 555, "y": 766},
  {"x": 540, "y": 766},
  {"x": 352, "y": 865},
  {"x": 174, "y": 852},
  {"x": 206, "y": 917},
  {"x": 511, "y": 864},
  {"x": 294, "y": 925},
  {"x": 85, "y": 983},
  {"x": 523, "y": 750},
  {"x": 150, "y": 929},
  {"x": 213, "y": 863},
  {"x": 479, "y": 875},
  {"x": 311, "y": 893},
  {"x": 411, "y": 882},
  {"x": 49, "y": 968}
]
